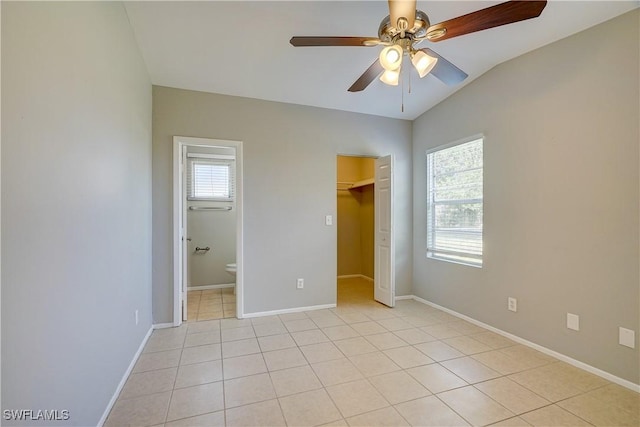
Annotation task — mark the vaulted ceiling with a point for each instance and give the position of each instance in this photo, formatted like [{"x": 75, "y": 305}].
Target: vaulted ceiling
[{"x": 242, "y": 48}]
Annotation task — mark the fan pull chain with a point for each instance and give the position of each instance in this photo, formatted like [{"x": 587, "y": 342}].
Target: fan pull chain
[
  {"x": 402, "y": 96},
  {"x": 401, "y": 77}
]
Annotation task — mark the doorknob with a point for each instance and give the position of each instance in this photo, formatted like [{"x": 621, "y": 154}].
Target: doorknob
[{"x": 188, "y": 239}]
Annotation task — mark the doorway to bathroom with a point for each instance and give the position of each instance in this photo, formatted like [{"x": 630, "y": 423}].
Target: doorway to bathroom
[
  {"x": 365, "y": 262},
  {"x": 207, "y": 229}
]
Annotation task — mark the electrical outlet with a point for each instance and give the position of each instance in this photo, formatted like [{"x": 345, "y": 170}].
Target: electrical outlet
[
  {"x": 300, "y": 284},
  {"x": 137, "y": 319},
  {"x": 627, "y": 337},
  {"x": 573, "y": 321},
  {"x": 512, "y": 304}
]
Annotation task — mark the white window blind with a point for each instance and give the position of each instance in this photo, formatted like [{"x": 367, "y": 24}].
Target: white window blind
[
  {"x": 454, "y": 203},
  {"x": 210, "y": 179}
]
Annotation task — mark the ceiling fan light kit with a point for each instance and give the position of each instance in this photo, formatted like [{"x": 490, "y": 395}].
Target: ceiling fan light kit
[
  {"x": 405, "y": 27},
  {"x": 391, "y": 60}
]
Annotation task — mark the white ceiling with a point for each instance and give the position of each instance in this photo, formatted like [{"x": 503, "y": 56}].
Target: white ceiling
[{"x": 242, "y": 48}]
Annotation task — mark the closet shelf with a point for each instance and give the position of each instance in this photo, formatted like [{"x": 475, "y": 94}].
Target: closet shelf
[{"x": 356, "y": 184}]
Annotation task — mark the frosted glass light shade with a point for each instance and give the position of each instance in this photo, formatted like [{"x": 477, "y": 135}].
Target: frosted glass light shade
[
  {"x": 391, "y": 57},
  {"x": 423, "y": 63},
  {"x": 390, "y": 77}
]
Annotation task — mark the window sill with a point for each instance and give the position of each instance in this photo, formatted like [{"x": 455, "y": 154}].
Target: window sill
[{"x": 455, "y": 261}]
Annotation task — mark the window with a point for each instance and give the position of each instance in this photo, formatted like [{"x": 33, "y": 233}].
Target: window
[
  {"x": 454, "y": 203},
  {"x": 210, "y": 178}
]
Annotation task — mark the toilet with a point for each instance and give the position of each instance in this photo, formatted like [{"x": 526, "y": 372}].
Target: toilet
[{"x": 230, "y": 268}]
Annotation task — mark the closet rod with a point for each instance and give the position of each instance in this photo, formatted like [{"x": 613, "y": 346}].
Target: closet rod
[{"x": 209, "y": 208}]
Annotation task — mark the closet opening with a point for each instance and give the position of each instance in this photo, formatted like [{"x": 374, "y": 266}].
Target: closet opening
[{"x": 355, "y": 229}]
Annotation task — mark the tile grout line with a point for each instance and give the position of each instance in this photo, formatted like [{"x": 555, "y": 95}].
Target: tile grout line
[{"x": 224, "y": 389}]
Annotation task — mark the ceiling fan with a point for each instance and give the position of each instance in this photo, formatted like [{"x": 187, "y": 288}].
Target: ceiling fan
[{"x": 405, "y": 27}]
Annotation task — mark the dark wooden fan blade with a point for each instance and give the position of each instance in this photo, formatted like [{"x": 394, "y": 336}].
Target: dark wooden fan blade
[
  {"x": 305, "y": 41},
  {"x": 445, "y": 70},
  {"x": 494, "y": 16},
  {"x": 367, "y": 77}
]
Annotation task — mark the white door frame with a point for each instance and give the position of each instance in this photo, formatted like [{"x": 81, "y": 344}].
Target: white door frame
[
  {"x": 376, "y": 266},
  {"x": 178, "y": 188}
]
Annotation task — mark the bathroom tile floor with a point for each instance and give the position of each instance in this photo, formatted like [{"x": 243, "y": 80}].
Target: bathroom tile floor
[
  {"x": 360, "y": 364},
  {"x": 211, "y": 304}
]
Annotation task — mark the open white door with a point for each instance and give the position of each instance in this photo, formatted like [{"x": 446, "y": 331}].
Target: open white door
[
  {"x": 181, "y": 275},
  {"x": 384, "y": 283},
  {"x": 183, "y": 227}
]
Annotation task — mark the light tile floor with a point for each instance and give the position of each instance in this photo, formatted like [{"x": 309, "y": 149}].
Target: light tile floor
[
  {"x": 211, "y": 304},
  {"x": 361, "y": 364}
]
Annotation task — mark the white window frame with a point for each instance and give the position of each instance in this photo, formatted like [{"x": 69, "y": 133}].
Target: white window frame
[
  {"x": 222, "y": 160},
  {"x": 458, "y": 257}
]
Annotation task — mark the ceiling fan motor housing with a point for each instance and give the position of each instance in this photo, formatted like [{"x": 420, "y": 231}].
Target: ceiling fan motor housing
[{"x": 389, "y": 33}]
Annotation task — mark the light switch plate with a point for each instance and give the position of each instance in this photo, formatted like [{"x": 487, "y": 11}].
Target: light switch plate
[
  {"x": 573, "y": 321},
  {"x": 328, "y": 220},
  {"x": 627, "y": 337}
]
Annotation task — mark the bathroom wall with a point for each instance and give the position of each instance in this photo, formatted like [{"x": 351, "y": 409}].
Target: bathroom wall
[
  {"x": 215, "y": 229},
  {"x": 355, "y": 214}
]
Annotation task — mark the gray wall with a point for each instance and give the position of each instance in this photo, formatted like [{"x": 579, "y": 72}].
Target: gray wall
[
  {"x": 76, "y": 205},
  {"x": 289, "y": 186},
  {"x": 561, "y": 193}
]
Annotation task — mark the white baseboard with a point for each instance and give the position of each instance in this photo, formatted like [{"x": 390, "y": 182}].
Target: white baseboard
[
  {"x": 401, "y": 297},
  {"x": 205, "y": 287},
  {"x": 125, "y": 377},
  {"x": 355, "y": 276},
  {"x": 162, "y": 325},
  {"x": 288, "y": 310},
  {"x": 578, "y": 364}
]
